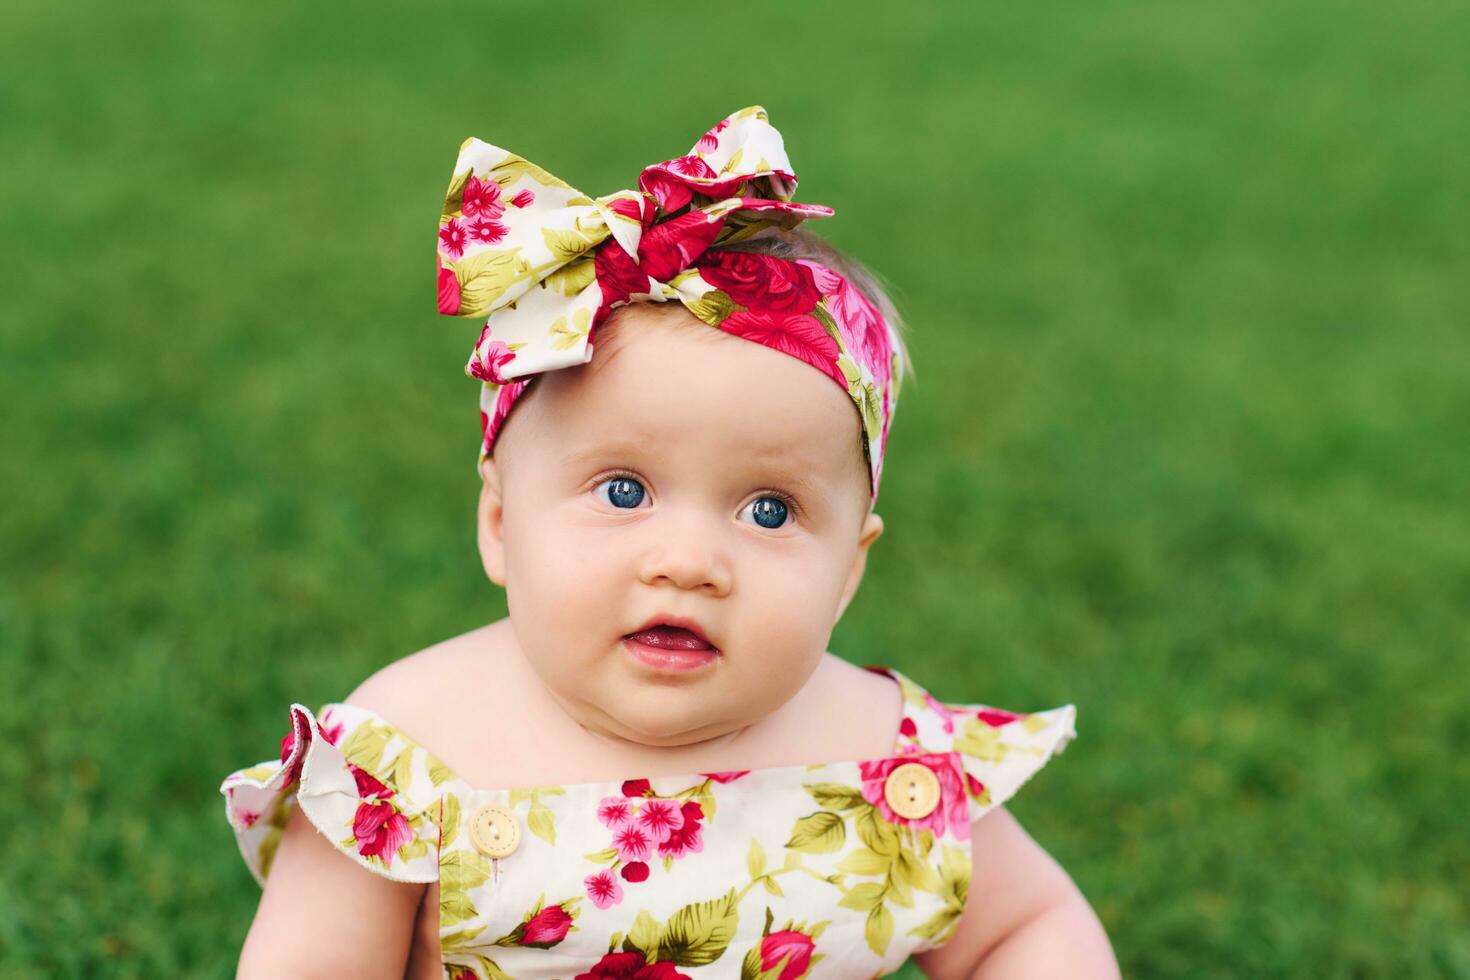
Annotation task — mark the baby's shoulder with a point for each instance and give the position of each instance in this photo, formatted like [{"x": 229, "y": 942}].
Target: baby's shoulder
[
  {"x": 442, "y": 696},
  {"x": 414, "y": 688}
]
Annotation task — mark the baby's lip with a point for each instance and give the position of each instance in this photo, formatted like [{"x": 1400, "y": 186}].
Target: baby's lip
[{"x": 677, "y": 622}]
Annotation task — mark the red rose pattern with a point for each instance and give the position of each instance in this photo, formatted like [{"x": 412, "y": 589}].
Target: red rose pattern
[
  {"x": 631, "y": 966},
  {"x": 794, "y": 948},
  {"x": 952, "y": 813},
  {"x": 761, "y": 282},
  {"x": 547, "y": 927}
]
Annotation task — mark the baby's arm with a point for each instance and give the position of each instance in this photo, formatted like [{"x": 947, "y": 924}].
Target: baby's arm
[
  {"x": 1023, "y": 915},
  {"x": 321, "y": 915}
]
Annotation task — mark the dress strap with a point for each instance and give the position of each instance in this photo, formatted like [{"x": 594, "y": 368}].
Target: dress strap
[
  {"x": 998, "y": 750},
  {"x": 368, "y": 788}
]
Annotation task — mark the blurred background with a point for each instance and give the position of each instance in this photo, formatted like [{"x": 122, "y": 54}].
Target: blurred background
[{"x": 1187, "y": 295}]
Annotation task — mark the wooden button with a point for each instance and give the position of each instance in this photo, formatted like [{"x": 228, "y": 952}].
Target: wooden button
[
  {"x": 912, "y": 790},
  {"x": 495, "y": 831}
]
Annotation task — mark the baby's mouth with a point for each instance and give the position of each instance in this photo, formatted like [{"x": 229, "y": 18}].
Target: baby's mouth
[{"x": 671, "y": 638}]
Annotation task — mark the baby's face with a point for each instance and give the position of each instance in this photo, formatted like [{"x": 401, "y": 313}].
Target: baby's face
[{"x": 683, "y": 474}]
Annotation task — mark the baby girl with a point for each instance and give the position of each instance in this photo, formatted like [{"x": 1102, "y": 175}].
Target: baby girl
[{"x": 653, "y": 768}]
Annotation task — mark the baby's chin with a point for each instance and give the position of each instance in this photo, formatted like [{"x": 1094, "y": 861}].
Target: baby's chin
[{"x": 664, "y": 717}]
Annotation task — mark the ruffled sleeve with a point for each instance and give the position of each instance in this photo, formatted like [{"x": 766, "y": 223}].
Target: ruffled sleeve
[
  {"x": 365, "y": 787},
  {"x": 1000, "y": 749}
]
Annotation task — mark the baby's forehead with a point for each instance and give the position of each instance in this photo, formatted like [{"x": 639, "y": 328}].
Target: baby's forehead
[{"x": 662, "y": 379}]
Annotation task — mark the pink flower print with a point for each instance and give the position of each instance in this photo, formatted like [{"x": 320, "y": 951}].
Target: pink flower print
[
  {"x": 726, "y": 777},
  {"x": 995, "y": 717},
  {"x": 946, "y": 716},
  {"x": 332, "y": 732},
  {"x": 975, "y": 785},
  {"x": 504, "y": 400},
  {"x": 368, "y": 787},
  {"x": 489, "y": 358},
  {"x": 615, "y": 812},
  {"x": 951, "y": 814},
  {"x": 633, "y": 788},
  {"x": 635, "y": 871},
  {"x": 380, "y": 830},
  {"x": 633, "y": 842},
  {"x": 660, "y": 818},
  {"x": 793, "y": 947},
  {"x": 488, "y": 232},
  {"x": 288, "y": 742},
  {"x": 603, "y": 889},
  {"x": 684, "y": 840},
  {"x": 858, "y": 320},
  {"x": 448, "y": 290},
  {"x": 246, "y": 818},
  {"x": 908, "y": 729},
  {"x": 482, "y": 199},
  {"x": 547, "y": 927},
  {"x": 452, "y": 238},
  {"x": 798, "y": 334},
  {"x": 711, "y": 140},
  {"x": 523, "y": 199}
]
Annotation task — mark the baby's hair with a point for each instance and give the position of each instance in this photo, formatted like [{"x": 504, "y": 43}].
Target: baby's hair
[{"x": 799, "y": 243}]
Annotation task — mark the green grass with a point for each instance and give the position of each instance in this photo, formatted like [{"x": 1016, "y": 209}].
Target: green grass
[{"x": 1187, "y": 288}]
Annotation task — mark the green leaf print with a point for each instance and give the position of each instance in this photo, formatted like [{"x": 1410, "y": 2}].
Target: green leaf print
[
  {"x": 879, "y": 929},
  {"x": 877, "y": 833},
  {"x": 402, "y": 769},
  {"x": 862, "y": 861},
  {"x": 454, "y": 197},
  {"x": 862, "y": 897},
  {"x": 565, "y": 244},
  {"x": 459, "y": 871},
  {"x": 541, "y": 822},
  {"x": 438, "y": 771},
  {"x": 713, "y": 307},
  {"x": 755, "y": 861},
  {"x": 772, "y": 887},
  {"x": 954, "y": 874},
  {"x": 513, "y": 167},
  {"x": 415, "y": 848},
  {"x": 699, "y": 934},
  {"x": 564, "y": 337},
  {"x": 573, "y": 277},
  {"x": 454, "y": 908},
  {"x": 485, "y": 276},
  {"x": 915, "y": 873},
  {"x": 267, "y": 852},
  {"x": 834, "y": 796},
  {"x": 937, "y": 924},
  {"x": 819, "y": 833},
  {"x": 449, "y": 823},
  {"x": 364, "y": 748},
  {"x": 643, "y": 937},
  {"x": 828, "y": 324}
]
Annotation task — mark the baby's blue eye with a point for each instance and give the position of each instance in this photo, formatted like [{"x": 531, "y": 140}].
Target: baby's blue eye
[
  {"x": 769, "y": 512},
  {"x": 623, "y": 491}
]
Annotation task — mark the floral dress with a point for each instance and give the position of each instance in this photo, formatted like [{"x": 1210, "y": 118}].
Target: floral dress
[{"x": 838, "y": 869}]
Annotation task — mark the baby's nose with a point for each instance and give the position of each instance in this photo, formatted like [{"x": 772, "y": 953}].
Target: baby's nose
[{"x": 687, "y": 559}]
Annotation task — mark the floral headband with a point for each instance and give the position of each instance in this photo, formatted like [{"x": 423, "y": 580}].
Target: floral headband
[{"x": 547, "y": 264}]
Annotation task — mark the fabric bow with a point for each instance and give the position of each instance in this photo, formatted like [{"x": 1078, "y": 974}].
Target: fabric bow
[{"x": 546, "y": 263}]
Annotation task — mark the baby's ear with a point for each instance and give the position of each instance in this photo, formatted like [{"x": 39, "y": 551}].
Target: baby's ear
[
  {"x": 489, "y": 515},
  {"x": 872, "y": 528}
]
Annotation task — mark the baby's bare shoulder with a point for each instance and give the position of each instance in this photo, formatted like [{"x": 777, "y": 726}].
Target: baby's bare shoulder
[
  {"x": 424, "y": 693},
  {"x": 856, "y": 711}
]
